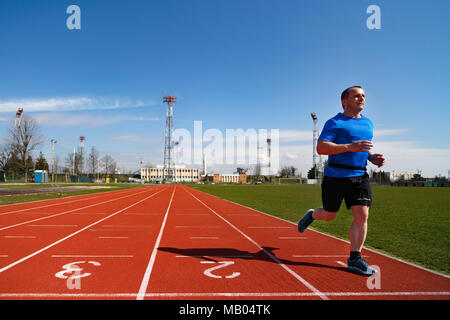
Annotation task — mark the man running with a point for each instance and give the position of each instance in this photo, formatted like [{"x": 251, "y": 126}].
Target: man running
[{"x": 346, "y": 139}]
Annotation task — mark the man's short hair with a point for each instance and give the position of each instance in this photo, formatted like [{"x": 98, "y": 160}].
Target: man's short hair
[{"x": 344, "y": 94}]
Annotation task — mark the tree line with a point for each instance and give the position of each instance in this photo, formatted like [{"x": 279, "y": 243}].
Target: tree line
[{"x": 24, "y": 138}]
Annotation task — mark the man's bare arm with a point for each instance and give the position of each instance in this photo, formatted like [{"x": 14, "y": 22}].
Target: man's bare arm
[{"x": 331, "y": 148}]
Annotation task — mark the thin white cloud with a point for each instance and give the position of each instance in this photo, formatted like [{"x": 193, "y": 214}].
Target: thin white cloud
[
  {"x": 388, "y": 132},
  {"x": 401, "y": 156},
  {"x": 130, "y": 138},
  {"x": 143, "y": 119},
  {"x": 288, "y": 136},
  {"x": 409, "y": 156},
  {"x": 60, "y": 119},
  {"x": 57, "y": 119},
  {"x": 295, "y": 135},
  {"x": 71, "y": 104}
]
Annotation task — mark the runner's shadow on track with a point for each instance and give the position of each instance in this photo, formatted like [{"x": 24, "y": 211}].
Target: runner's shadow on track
[{"x": 212, "y": 254}]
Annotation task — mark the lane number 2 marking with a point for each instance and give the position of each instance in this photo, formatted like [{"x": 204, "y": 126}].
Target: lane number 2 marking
[{"x": 222, "y": 264}]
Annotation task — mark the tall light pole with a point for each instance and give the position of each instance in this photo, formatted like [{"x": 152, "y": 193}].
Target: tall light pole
[
  {"x": 18, "y": 121},
  {"x": 53, "y": 141},
  {"x": 18, "y": 130},
  {"x": 168, "y": 170},
  {"x": 317, "y": 160}
]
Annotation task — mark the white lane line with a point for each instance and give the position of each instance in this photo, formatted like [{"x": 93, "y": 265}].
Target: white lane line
[
  {"x": 90, "y": 256},
  {"x": 142, "y": 214},
  {"x": 65, "y": 212},
  {"x": 322, "y": 256},
  {"x": 20, "y": 237},
  {"x": 214, "y": 256},
  {"x": 294, "y": 274},
  {"x": 52, "y": 225},
  {"x": 268, "y": 227},
  {"x": 148, "y": 271},
  {"x": 113, "y": 237},
  {"x": 88, "y": 213},
  {"x": 73, "y": 234},
  {"x": 209, "y": 227},
  {"x": 3, "y": 256},
  {"x": 31, "y": 213},
  {"x": 191, "y": 214},
  {"x": 201, "y": 238},
  {"x": 225, "y": 294},
  {"x": 292, "y": 238},
  {"x": 125, "y": 226}
]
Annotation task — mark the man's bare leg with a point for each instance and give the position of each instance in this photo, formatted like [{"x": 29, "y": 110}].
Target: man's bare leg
[{"x": 358, "y": 229}]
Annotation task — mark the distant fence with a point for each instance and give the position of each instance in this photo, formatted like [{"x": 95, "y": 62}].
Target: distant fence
[
  {"x": 290, "y": 180},
  {"x": 81, "y": 179},
  {"x": 421, "y": 184}
]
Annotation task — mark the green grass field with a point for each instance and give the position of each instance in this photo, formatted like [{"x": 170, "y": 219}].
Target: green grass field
[{"x": 410, "y": 223}]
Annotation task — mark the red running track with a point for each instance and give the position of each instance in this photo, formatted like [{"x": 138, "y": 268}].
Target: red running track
[{"x": 174, "y": 242}]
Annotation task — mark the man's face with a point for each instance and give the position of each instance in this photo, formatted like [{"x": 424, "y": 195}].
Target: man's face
[{"x": 355, "y": 101}]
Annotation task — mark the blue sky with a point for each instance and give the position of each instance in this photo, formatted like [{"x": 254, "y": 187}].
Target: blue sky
[{"x": 232, "y": 64}]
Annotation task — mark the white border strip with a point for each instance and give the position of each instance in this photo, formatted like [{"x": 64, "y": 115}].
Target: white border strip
[{"x": 224, "y": 294}]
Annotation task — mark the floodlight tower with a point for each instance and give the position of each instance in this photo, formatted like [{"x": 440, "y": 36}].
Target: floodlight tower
[
  {"x": 168, "y": 170},
  {"x": 317, "y": 160},
  {"x": 18, "y": 121},
  {"x": 82, "y": 138}
]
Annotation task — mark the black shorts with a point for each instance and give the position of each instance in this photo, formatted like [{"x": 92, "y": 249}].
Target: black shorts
[{"x": 355, "y": 191}]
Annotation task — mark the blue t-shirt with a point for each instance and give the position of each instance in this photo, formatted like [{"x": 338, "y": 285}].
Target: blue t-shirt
[{"x": 341, "y": 130}]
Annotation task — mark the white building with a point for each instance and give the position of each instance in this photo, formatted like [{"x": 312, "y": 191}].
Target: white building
[
  {"x": 394, "y": 176},
  {"x": 230, "y": 178},
  {"x": 182, "y": 174}
]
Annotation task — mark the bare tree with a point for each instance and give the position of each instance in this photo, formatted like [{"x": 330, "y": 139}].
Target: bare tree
[
  {"x": 288, "y": 171},
  {"x": 24, "y": 139},
  {"x": 109, "y": 165},
  {"x": 92, "y": 161},
  {"x": 80, "y": 160},
  {"x": 69, "y": 164},
  {"x": 74, "y": 163},
  {"x": 5, "y": 155},
  {"x": 56, "y": 164}
]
